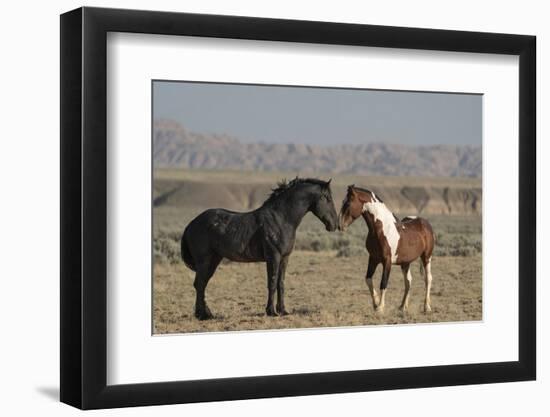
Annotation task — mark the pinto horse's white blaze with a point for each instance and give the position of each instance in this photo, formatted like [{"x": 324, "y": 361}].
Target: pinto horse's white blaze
[{"x": 386, "y": 217}]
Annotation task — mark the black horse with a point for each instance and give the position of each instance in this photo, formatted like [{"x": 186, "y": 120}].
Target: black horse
[{"x": 266, "y": 234}]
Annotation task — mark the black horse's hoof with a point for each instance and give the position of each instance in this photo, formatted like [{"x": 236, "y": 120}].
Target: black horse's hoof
[
  {"x": 282, "y": 312},
  {"x": 270, "y": 311},
  {"x": 204, "y": 314}
]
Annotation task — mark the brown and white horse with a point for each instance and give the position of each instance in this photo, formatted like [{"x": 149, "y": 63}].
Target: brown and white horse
[{"x": 389, "y": 242}]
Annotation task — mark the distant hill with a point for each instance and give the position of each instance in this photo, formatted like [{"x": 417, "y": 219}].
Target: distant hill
[
  {"x": 242, "y": 191},
  {"x": 176, "y": 147}
]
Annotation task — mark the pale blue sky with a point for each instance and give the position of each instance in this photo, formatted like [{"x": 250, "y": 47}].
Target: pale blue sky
[{"x": 326, "y": 116}]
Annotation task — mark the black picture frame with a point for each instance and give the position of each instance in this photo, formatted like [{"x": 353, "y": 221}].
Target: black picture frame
[{"x": 84, "y": 207}]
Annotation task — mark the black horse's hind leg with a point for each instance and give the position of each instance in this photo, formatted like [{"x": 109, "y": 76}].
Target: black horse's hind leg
[
  {"x": 281, "y": 288},
  {"x": 273, "y": 263},
  {"x": 205, "y": 270}
]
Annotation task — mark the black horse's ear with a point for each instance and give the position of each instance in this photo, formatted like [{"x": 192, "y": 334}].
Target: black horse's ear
[{"x": 328, "y": 182}]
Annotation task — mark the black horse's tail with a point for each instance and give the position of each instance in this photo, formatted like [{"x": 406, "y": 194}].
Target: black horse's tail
[{"x": 186, "y": 255}]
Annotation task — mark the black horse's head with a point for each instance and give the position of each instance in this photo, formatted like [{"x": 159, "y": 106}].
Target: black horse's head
[
  {"x": 306, "y": 194},
  {"x": 323, "y": 206}
]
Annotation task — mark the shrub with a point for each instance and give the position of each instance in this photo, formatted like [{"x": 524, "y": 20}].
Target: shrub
[
  {"x": 166, "y": 250},
  {"x": 349, "y": 251},
  {"x": 451, "y": 244}
]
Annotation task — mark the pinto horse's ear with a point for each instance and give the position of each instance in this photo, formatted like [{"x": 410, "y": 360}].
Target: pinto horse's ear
[
  {"x": 351, "y": 191},
  {"x": 328, "y": 182}
]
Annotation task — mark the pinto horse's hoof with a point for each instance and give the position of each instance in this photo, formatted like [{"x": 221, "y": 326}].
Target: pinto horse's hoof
[{"x": 282, "y": 312}]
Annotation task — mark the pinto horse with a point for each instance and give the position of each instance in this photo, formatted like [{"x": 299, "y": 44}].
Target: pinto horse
[
  {"x": 266, "y": 234},
  {"x": 389, "y": 242}
]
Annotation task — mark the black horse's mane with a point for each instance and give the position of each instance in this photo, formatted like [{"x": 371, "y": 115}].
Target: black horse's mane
[{"x": 284, "y": 185}]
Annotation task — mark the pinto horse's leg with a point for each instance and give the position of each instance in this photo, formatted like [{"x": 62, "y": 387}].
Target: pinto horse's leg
[
  {"x": 370, "y": 272},
  {"x": 205, "y": 270},
  {"x": 281, "y": 288},
  {"x": 427, "y": 262},
  {"x": 407, "y": 279},
  {"x": 273, "y": 262},
  {"x": 383, "y": 285}
]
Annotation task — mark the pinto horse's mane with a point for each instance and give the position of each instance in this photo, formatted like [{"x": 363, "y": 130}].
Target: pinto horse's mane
[
  {"x": 364, "y": 190},
  {"x": 284, "y": 186}
]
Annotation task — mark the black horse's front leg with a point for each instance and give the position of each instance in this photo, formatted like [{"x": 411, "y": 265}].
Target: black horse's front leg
[
  {"x": 281, "y": 288},
  {"x": 273, "y": 263}
]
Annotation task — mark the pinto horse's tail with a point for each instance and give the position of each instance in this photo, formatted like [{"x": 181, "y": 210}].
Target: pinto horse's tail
[{"x": 186, "y": 254}]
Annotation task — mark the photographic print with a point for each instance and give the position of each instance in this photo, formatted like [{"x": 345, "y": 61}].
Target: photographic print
[
  {"x": 330, "y": 182},
  {"x": 285, "y": 207}
]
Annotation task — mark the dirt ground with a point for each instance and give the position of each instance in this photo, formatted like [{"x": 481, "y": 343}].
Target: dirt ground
[{"x": 335, "y": 297}]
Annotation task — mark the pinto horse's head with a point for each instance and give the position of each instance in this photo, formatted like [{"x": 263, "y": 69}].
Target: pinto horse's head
[{"x": 352, "y": 207}]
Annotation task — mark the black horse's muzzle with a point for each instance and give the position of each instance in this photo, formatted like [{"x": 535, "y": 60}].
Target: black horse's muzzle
[{"x": 331, "y": 226}]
